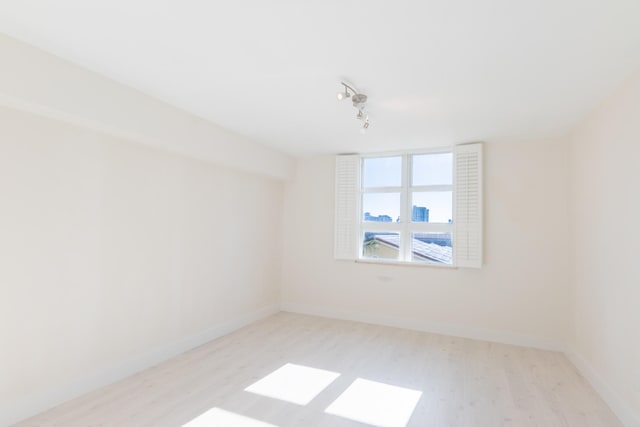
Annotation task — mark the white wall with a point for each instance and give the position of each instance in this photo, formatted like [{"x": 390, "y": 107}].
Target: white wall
[
  {"x": 35, "y": 81},
  {"x": 605, "y": 212},
  {"x": 114, "y": 256},
  {"x": 519, "y": 296}
]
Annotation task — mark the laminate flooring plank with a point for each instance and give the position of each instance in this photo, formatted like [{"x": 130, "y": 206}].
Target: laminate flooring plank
[{"x": 463, "y": 382}]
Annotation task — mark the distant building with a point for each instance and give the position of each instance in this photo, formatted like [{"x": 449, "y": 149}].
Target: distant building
[
  {"x": 379, "y": 218},
  {"x": 442, "y": 239},
  {"x": 420, "y": 214},
  {"x": 386, "y": 246}
]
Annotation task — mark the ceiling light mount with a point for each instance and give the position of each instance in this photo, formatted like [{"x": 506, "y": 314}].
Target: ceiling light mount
[{"x": 359, "y": 100}]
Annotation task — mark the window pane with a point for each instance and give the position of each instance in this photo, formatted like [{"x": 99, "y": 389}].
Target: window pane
[
  {"x": 381, "y": 245},
  {"x": 382, "y": 172},
  {"x": 381, "y": 207},
  {"x": 432, "y": 206},
  {"x": 432, "y": 248},
  {"x": 432, "y": 169}
]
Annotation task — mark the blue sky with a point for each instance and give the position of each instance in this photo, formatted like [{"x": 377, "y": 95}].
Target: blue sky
[{"x": 427, "y": 169}]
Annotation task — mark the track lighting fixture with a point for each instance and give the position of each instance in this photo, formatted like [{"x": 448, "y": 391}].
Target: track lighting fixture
[
  {"x": 343, "y": 95},
  {"x": 358, "y": 100},
  {"x": 364, "y": 127}
]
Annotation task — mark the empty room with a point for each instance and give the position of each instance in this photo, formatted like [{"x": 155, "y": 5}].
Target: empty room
[{"x": 338, "y": 213}]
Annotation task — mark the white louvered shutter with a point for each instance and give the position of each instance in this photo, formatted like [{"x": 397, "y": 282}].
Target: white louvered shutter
[
  {"x": 347, "y": 206},
  {"x": 468, "y": 206}
]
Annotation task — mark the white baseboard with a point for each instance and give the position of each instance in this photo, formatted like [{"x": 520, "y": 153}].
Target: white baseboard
[
  {"x": 425, "y": 326},
  {"x": 624, "y": 412},
  {"x": 21, "y": 409}
]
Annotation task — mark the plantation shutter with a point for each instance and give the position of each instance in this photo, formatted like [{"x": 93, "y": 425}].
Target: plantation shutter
[
  {"x": 347, "y": 206},
  {"x": 468, "y": 206}
]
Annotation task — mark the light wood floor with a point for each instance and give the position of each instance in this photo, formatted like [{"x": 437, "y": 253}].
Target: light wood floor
[{"x": 463, "y": 382}]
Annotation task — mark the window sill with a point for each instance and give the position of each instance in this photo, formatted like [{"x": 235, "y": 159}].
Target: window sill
[{"x": 404, "y": 263}]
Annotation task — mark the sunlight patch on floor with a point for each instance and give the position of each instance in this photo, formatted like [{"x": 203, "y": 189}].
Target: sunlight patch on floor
[
  {"x": 375, "y": 403},
  {"x": 293, "y": 383},
  {"x": 215, "y": 417}
]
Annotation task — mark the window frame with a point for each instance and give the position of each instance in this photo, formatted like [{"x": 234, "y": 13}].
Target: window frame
[
  {"x": 468, "y": 217},
  {"x": 405, "y": 227}
]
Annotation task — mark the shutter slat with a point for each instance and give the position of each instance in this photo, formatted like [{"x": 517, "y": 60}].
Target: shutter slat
[
  {"x": 347, "y": 206},
  {"x": 468, "y": 206}
]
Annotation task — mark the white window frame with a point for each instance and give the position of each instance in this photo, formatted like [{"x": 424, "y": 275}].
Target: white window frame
[
  {"x": 466, "y": 230},
  {"x": 405, "y": 227}
]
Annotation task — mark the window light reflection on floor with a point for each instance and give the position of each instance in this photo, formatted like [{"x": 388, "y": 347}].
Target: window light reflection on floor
[
  {"x": 375, "y": 403},
  {"x": 220, "y": 417},
  {"x": 293, "y": 383}
]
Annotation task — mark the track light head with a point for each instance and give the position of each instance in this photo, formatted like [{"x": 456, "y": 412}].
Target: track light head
[
  {"x": 345, "y": 94},
  {"x": 359, "y": 100}
]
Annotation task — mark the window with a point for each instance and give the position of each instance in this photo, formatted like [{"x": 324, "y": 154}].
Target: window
[
  {"x": 419, "y": 207},
  {"x": 407, "y": 207}
]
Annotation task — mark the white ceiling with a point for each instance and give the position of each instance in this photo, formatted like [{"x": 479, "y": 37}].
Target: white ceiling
[{"x": 436, "y": 71}]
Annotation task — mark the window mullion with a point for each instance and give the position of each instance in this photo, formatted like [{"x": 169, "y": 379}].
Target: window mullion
[
  {"x": 382, "y": 190},
  {"x": 432, "y": 188},
  {"x": 405, "y": 238}
]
